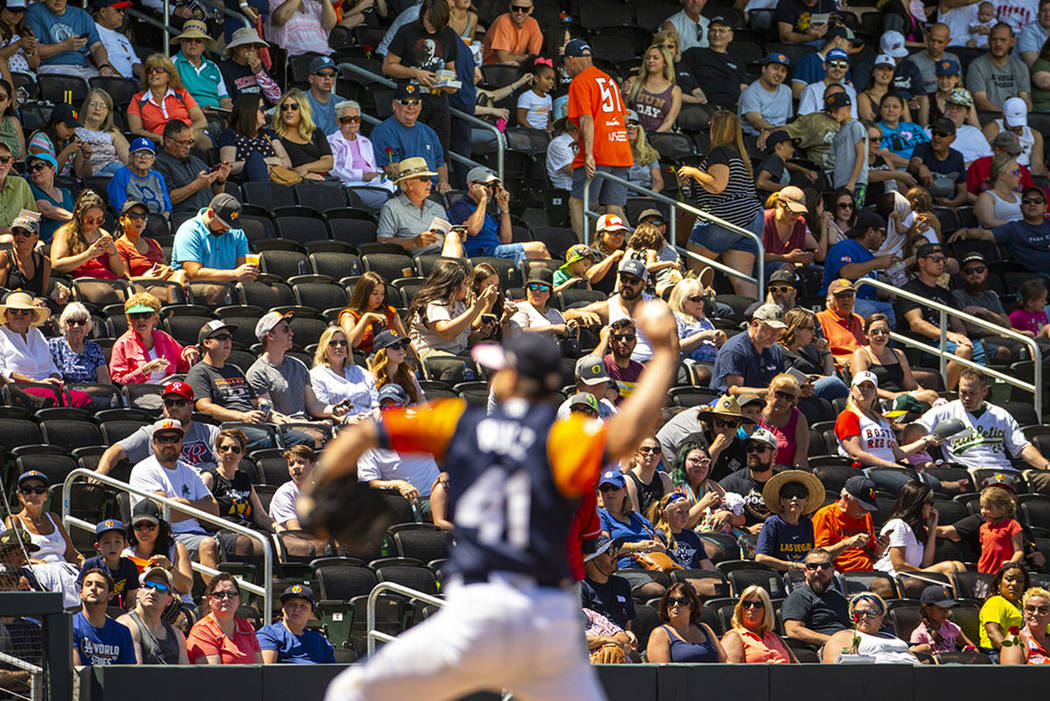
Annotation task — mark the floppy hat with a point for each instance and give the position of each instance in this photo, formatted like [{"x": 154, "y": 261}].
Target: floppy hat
[
  {"x": 413, "y": 168},
  {"x": 24, "y": 300},
  {"x": 771, "y": 492}
]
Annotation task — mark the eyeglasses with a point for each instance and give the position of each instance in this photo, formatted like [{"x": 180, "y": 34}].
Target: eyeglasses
[
  {"x": 98, "y": 103},
  {"x": 1040, "y": 610},
  {"x": 679, "y": 600},
  {"x": 814, "y": 566},
  {"x": 726, "y": 423},
  {"x": 230, "y": 449},
  {"x": 349, "y": 120},
  {"x": 756, "y": 448},
  {"x": 628, "y": 337},
  {"x": 144, "y": 526},
  {"x": 136, "y": 216},
  {"x": 753, "y": 604},
  {"x": 608, "y": 488},
  {"x": 175, "y": 403},
  {"x": 401, "y": 346},
  {"x": 779, "y": 289},
  {"x": 138, "y": 316},
  {"x": 519, "y": 8},
  {"x": 654, "y": 221},
  {"x": 326, "y": 74},
  {"x": 786, "y": 396},
  {"x": 539, "y": 287},
  {"x": 184, "y": 142},
  {"x": 168, "y": 438},
  {"x": 411, "y": 102},
  {"x": 221, "y": 337},
  {"x": 648, "y": 450},
  {"x": 76, "y": 322},
  {"x": 867, "y": 614},
  {"x": 224, "y": 595},
  {"x": 335, "y": 343},
  {"x": 156, "y": 586},
  {"x": 845, "y": 205},
  {"x": 39, "y": 489},
  {"x": 19, "y": 312},
  {"x": 293, "y": 106},
  {"x": 1033, "y": 200},
  {"x": 976, "y": 269}
]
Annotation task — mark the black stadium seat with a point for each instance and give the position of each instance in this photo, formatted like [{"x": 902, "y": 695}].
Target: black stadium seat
[{"x": 70, "y": 434}]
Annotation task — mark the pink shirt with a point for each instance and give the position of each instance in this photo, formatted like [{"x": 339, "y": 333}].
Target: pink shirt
[
  {"x": 949, "y": 634},
  {"x": 1028, "y": 321},
  {"x": 129, "y": 355}
]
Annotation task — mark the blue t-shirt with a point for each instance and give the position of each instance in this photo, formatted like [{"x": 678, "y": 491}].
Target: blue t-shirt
[
  {"x": 688, "y": 549},
  {"x": 841, "y": 254},
  {"x": 487, "y": 239},
  {"x": 308, "y": 648},
  {"x": 902, "y": 140},
  {"x": 406, "y": 142},
  {"x": 1029, "y": 245},
  {"x": 151, "y": 190},
  {"x": 125, "y": 577},
  {"x": 49, "y": 28},
  {"x": 638, "y": 529},
  {"x": 466, "y": 98},
  {"x": 738, "y": 356},
  {"x": 194, "y": 242},
  {"x": 48, "y": 227},
  {"x": 781, "y": 540},
  {"x": 323, "y": 114},
  {"x": 110, "y": 644}
]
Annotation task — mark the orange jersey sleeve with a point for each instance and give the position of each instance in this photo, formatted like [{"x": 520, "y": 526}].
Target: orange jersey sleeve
[
  {"x": 575, "y": 448},
  {"x": 424, "y": 429}
]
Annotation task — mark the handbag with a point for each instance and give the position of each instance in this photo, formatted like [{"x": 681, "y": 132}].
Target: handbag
[
  {"x": 284, "y": 176},
  {"x": 656, "y": 562}
]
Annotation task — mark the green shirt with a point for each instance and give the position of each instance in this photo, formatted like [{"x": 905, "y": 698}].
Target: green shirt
[
  {"x": 14, "y": 197},
  {"x": 205, "y": 84},
  {"x": 1040, "y": 97},
  {"x": 815, "y": 132}
]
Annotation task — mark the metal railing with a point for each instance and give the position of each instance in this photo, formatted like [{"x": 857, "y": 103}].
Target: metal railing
[
  {"x": 166, "y": 28},
  {"x": 672, "y": 229},
  {"x": 370, "y": 619},
  {"x": 265, "y": 591},
  {"x": 1035, "y": 386},
  {"x": 501, "y": 142}
]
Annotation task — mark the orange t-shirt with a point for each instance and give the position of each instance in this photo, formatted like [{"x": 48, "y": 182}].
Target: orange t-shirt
[
  {"x": 504, "y": 35},
  {"x": 595, "y": 93},
  {"x": 844, "y": 335},
  {"x": 207, "y": 638},
  {"x": 831, "y": 525},
  {"x": 138, "y": 263}
]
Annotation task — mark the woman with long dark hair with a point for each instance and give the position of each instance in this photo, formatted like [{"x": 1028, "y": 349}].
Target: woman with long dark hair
[
  {"x": 440, "y": 320},
  {"x": 249, "y": 145},
  {"x": 912, "y": 531},
  {"x": 388, "y": 365},
  {"x": 82, "y": 248},
  {"x": 843, "y": 210},
  {"x": 150, "y": 541},
  {"x": 10, "y": 128},
  {"x": 17, "y": 42},
  {"x": 368, "y": 313}
]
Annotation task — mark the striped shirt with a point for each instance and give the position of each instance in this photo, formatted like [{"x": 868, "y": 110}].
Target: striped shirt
[{"x": 738, "y": 202}]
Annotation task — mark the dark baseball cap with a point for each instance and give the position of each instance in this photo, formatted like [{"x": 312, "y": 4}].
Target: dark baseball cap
[
  {"x": 778, "y": 136},
  {"x": 777, "y": 57},
  {"x": 865, "y": 221},
  {"x": 943, "y": 125},
  {"x": 938, "y": 595},
  {"x": 863, "y": 490},
  {"x": 928, "y": 249},
  {"x": 387, "y": 338},
  {"x": 65, "y": 114},
  {"x": 18, "y": 537},
  {"x": 531, "y": 355},
  {"x": 947, "y": 67},
  {"x": 298, "y": 591},
  {"x": 578, "y": 47},
  {"x": 320, "y": 63},
  {"x": 836, "y": 100},
  {"x": 784, "y": 275},
  {"x": 110, "y": 524},
  {"x": 406, "y": 90},
  {"x": 226, "y": 209},
  {"x": 392, "y": 392}
]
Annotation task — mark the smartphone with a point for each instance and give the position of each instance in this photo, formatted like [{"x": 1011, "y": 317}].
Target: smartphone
[
  {"x": 216, "y": 167},
  {"x": 488, "y": 319},
  {"x": 85, "y": 35}
]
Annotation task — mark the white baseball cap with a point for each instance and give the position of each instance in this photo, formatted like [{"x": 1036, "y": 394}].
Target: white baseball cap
[
  {"x": 865, "y": 376},
  {"x": 892, "y": 44},
  {"x": 1015, "y": 112}
]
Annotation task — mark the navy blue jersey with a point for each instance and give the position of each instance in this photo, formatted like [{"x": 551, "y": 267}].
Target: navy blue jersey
[{"x": 515, "y": 476}]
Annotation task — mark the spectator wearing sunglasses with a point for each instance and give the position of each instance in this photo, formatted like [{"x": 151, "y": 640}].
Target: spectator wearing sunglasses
[
  {"x": 25, "y": 268},
  {"x": 155, "y": 640},
  {"x": 513, "y": 37},
  {"x": 144, "y": 354},
  {"x": 321, "y": 95},
  {"x": 78, "y": 358},
  {"x": 620, "y": 337},
  {"x": 760, "y": 452},
  {"x": 15, "y": 194},
  {"x": 403, "y": 136},
  {"x": 54, "y": 203},
  {"x": 1027, "y": 239},
  {"x": 867, "y": 611},
  {"x": 815, "y": 611},
  {"x": 683, "y": 637},
  {"x": 940, "y": 168},
  {"x": 142, "y": 255},
  {"x": 232, "y": 488},
  {"x": 751, "y": 639},
  {"x": 486, "y": 237},
  {"x": 221, "y": 638},
  {"x": 338, "y": 381},
  {"x": 535, "y": 315},
  {"x": 354, "y": 158}
]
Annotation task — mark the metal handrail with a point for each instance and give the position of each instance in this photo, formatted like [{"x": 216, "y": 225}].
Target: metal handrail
[
  {"x": 142, "y": 17},
  {"x": 501, "y": 141},
  {"x": 1035, "y": 386},
  {"x": 760, "y": 257},
  {"x": 370, "y": 619},
  {"x": 266, "y": 590}
]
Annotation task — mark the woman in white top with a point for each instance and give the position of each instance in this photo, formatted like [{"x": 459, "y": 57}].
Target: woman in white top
[
  {"x": 912, "y": 531},
  {"x": 865, "y": 436},
  {"x": 336, "y": 379},
  {"x": 44, "y": 528},
  {"x": 868, "y": 611},
  {"x": 109, "y": 148},
  {"x": 1000, "y": 203},
  {"x": 1015, "y": 115},
  {"x": 440, "y": 320},
  {"x": 533, "y": 315}
]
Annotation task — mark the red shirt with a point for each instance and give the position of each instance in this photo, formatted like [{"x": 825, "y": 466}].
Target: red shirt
[
  {"x": 175, "y": 105},
  {"x": 206, "y": 638},
  {"x": 997, "y": 544},
  {"x": 138, "y": 263},
  {"x": 831, "y": 525},
  {"x": 595, "y": 93},
  {"x": 771, "y": 239},
  {"x": 980, "y": 170}
]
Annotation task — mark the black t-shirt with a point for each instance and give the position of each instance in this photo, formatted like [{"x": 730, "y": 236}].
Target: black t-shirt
[
  {"x": 234, "y": 496},
  {"x": 743, "y": 483},
  {"x": 730, "y": 461},
  {"x": 953, "y": 165},
  {"x": 720, "y": 74},
  {"x": 430, "y": 52},
  {"x": 612, "y": 599},
  {"x": 684, "y": 78},
  {"x": 826, "y": 613},
  {"x": 932, "y": 292},
  {"x": 239, "y": 79},
  {"x": 307, "y": 153},
  {"x": 798, "y": 15},
  {"x": 226, "y": 386}
]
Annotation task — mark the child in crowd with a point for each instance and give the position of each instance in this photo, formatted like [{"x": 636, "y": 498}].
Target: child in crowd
[
  {"x": 661, "y": 260},
  {"x": 534, "y": 105},
  {"x": 1001, "y": 537},
  {"x": 1030, "y": 316},
  {"x": 936, "y": 633},
  {"x": 573, "y": 273},
  {"x": 109, "y": 541},
  {"x": 981, "y": 27},
  {"x": 772, "y": 172}
]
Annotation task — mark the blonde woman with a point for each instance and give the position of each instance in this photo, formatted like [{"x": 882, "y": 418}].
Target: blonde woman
[
  {"x": 109, "y": 148},
  {"x": 692, "y": 95},
  {"x": 698, "y": 339},
  {"x": 653, "y": 94},
  {"x": 162, "y": 99},
  {"x": 307, "y": 146},
  {"x": 646, "y": 168},
  {"x": 1034, "y": 644},
  {"x": 82, "y": 248},
  {"x": 337, "y": 380},
  {"x": 751, "y": 639}
]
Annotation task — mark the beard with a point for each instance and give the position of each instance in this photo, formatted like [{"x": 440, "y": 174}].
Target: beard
[
  {"x": 819, "y": 586},
  {"x": 975, "y": 288}
]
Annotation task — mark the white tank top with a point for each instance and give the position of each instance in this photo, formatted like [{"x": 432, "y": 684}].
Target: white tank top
[
  {"x": 1026, "y": 141},
  {"x": 52, "y": 547},
  {"x": 1006, "y": 211}
]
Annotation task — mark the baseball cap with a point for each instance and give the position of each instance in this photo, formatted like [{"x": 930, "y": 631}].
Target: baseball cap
[
  {"x": 45, "y": 157},
  {"x": 481, "y": 174},
  {"x": 131, "y": 204},
  {"x": 610, "y": 222},
  {"x": 110, "y": 524},
  {"x": 298, "y": 591},
  {"x": 778, "y": 136},
  {"x": 649, "y": 213},
  {"x": 719, "y": 19},
  {"x": 578, "y": 47},
  {"x": 145, "y": 510},
  {"x": 836, "y": 100},
  {"x": 601, "y": 544},
  {"x": 865, "y": 221},
  {"x": 836, "y": 55},
  {"x": 762, "y": 435},
  {"x": 793, "y": 198},
  {"x": 321, "y": 62},
  {"x": 584, "y": 399},
  {"x": 211, "y": 327},
  {"x": 154, "y": 572},
  {"x": 865, "y": 376},
  {"x": 268, "y": 321},
  {"x": 632, "y": 117},
  {"x": 167, "y": 425},
  {"x": 928, "y": 249},
  {"x": 785, "y": 275},
  {"x": 590, "y": 370},
  {"x": 142, "y": 144},
  {"x": 749, "y": 398},
  {"x": 541, "y": 274},
  {"x": 33, "y": 475},
  {"x": 1007, "y": 141},
  {"x": 892, "y": 44},
  {"x": 387, "y": 338},
  {"x": 17, "y": 538},
  {"x": 531, "y": 355},
  {"x": 392, "y": 392},
  {"x": 776, "y": 57},
  {"x": 960, "y": 96},
  {"x": 226, "y": 209},
  {"x": 613, "y": 477},
  {"x": 943, "y": 125},
  {"x": 884, "y": 60},
  {"x": 863, "y": 490},
  {"x": 633, "y": 266},
  {"x": 839, "y": 286},
  {"x": 771, "y": 315},
  {"x": 64, "y": 114},
  {"x": 937, "y": 595},
  {"x": 26, "y": 222},
  {"x": 947, "y": 67},
  {"x": 180, "y": 388},
  {"x": 14, "y": 5},
  {"x": 1015, "y": 112},
  {"x": 577, "y": 252},
  {"x": 1000, "y": 479},
  {"x": 406, "y": 90},
  {"x": 973, "y": 257}
]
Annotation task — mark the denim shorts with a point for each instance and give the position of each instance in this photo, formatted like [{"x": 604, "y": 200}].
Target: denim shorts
[
  {"x": 604, "y": 191},
  {"x": 514, "y": 252},
  {"x": 718, "y": 239}
]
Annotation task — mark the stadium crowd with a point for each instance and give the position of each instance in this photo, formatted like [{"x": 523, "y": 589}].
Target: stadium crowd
[{"x": 212, "y": 262}]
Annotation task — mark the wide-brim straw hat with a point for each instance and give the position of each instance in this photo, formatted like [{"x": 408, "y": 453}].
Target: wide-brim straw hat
[
  {"x": 24, "y": 300},
  {"x": 245, "y": 36},
  {"x": 771, "y": 492},
  {"x": 195, "y": 29},
  {"x": 725, "y": 406},
  {"x": 414, "y": 167}
]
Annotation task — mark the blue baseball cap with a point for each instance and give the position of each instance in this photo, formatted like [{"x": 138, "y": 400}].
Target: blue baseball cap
[
  {"x": 142, "y": 144},
  {"x": 578, "y": 47},
  {"x": 775, "y": 57},
  {"x": 33, "y": 475},
  {"x": 320, "y": 63},
  {"x": 110, "y": 524},
  {"x": 613, "y": 477},
  {"x": 947, "y": 67},
  {"x": 45, "y": 157},
  {"x": 393, "y": 392},
  {"x": 836, "y": 55}
]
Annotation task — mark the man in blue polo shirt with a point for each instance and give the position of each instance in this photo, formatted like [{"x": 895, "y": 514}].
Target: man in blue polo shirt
[
  {"x": 207, "y": 247},
  {"x": 288, "y": 641},
  {"x": 401, "y": 136},
  {"x": 484, "y": 236},
  {"x": 749, "y": 360},
  {"x": 851, "y": 259}
]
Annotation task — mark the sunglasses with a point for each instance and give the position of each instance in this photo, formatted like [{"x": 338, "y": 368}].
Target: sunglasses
[
  {"x": 608, "y": 488},
  {"x": 221, "y": 338},
  {"x": 230, "y": 449},
  {"x": 695, "y": 300},
  {"x": 845, "y": 205},
  {"x": 94, "y": 221},
  {"x": 936, "y": 259},
  {"x": 168, "y": 438},
  {"x": 76, "y": 322},
  {"x": 39, "y": 489},
  {"x": 38, "y": 166},
  {"x": 646, "y": 450},
  {"x": 293, "y": 106},
  {"x": 779, "y": 289},
  {"x": 814, "y": 566},
  {"x": 349, "y": 120},
  {"x": 939, "y": 132},
  {"x": 136, "y": 216},
  {"x": 630, "y": 280},
  {"x": 1040, "y": 610},
  {"x": 157, "y": 69},
  {"x": 144, "y": 526},
  {"x": 726, "y": 423},
  {"x": 539, "y": 287},
  {"x": 1033, "y": 200},
  {"x": 326, "y": 74},
  {"x": 224, "y": 595},
  {"x": 786, "y": 396},
  {"x": 22, "y": 233},
  {"x": 156, "y": 586},
  {"x": 977, "y": 268},
  {"x": 175, "y": 403},
  {"x": 879, "y": 332},
  {"x": 337, "y": 343},
  {"x": 141, "y": 315},
  {"x": 839, "y": 64},
  {"x": 623, "y": 337},
  {"x": 754, "y": 604},
  {"x": 19, "y": 312},
  {"x": 401, "y": 345},
  {"x": 867, "y": 614},
  {"x": 412, "y": 102},
  {"x": 756, "y": 448},
  {"x": 519, "y": 8},
  {"x": 679, "y": 600},
  {"x": 6, "y": 159}
]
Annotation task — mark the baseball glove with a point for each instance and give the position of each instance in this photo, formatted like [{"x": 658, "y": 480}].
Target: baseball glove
[
  {"x": 345, "y": 510},
  {"x": 610, "y": 653}
]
